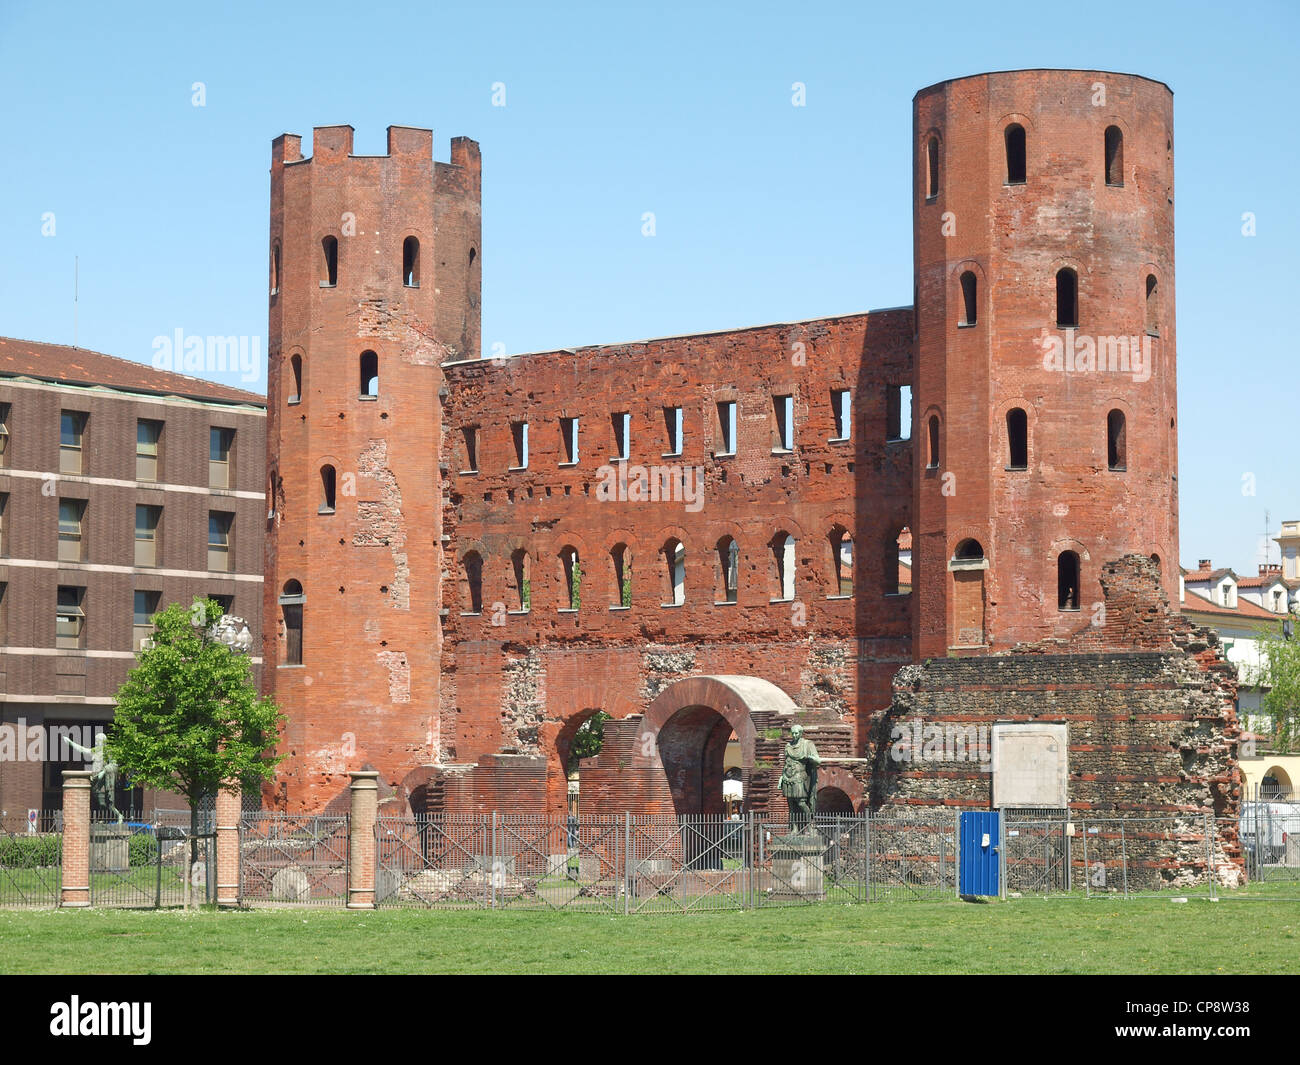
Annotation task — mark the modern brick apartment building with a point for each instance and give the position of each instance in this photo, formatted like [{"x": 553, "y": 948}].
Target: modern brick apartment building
[
  {"x": 704, "y": 536},
  {"x": 123, "y": 488}
]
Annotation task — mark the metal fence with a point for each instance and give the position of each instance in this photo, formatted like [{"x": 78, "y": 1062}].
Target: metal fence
[
  {"x": 31, "y": 859},
  {"x": 294, "y": 859},
  {"x": 152, "y": 863},
  {"x": 658, "y": 864}
]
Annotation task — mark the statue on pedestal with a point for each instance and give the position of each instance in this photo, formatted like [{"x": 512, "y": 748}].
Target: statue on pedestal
[
  {"x": 799, "y": 780},
  {"x": 103, "y": 780}
]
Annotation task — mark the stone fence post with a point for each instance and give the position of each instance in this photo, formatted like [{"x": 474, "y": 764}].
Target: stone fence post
[
  {"x": 75, "y": 891},
  {"x": 229, "y": 808},
  {"x": 361, "y": 840}
]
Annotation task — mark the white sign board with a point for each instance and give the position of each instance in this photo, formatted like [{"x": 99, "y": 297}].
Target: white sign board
[{"x": 1031, "y": 765}]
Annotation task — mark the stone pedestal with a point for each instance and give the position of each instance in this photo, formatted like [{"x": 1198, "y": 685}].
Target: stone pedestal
[
  {"x": 797, "y": 867},
  {"x": 110, "y": 849}
]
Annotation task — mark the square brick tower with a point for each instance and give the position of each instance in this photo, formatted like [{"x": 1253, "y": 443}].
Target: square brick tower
[{"x": 374, "y": 283}]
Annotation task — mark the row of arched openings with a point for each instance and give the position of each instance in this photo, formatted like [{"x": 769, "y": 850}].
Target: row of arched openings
[
  {"x": 1017, "y": 440},
  {"x": 1067, "y": 300},
  {"x": 367, "y": 377},
  {"x": 1015, "y": 143},
  {"x": 329, "y": 265}
]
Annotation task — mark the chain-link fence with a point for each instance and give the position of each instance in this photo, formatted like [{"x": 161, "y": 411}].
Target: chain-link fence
[{"x": 31, "y": 859}]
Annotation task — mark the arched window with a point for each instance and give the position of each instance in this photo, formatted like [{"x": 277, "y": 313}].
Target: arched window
[
  {"x": 969, "y": 287},
  {"x": 291, "y": 607},
  {"x": 1015, "y": 141},
  {"x": 275, "y": 268},
  {"x": 933, "y": 458},
  {"x": 969, "y": 551},
  {"x": 1017, "y": 439},
  {"x": 728, "y": 582},
  {"x": 841, "y": 562},
  {"x": 932, "y": 168},
  {"x": 522, "y": 569},
  {"x": 783, "y": 552},
  {"x": 1067, "y": 581},
  {"x": 571, "y": 578},
  {"x": 1153, "y": 307},
  {"x": 1114, "y": 155},
  {"x": 1116, "y": 446},
  {"x": 411, "y": 262},
  {"x": 473, "y": 255},
  {"x": 295, "y": 370},
  {"x": 1067, "y": 297},
  {"x": 326, "y": 490},
  {"x": 330, "y": 248},
  {"x": 621, "y": 556},
  {"x": 369, "y": 375},
  {"x": 472, "y": 582},
  {"x": 674, "y": 553}
]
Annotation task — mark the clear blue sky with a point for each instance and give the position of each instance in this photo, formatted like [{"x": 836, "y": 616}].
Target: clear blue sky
[{"x": 765, "y": 212}]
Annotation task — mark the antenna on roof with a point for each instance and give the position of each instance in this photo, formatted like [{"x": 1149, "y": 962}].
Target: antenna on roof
[{"x": 76, "y": 277}]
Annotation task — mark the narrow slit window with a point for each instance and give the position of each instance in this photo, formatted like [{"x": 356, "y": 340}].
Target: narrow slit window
[
  {"x": 728, "y": 570},
  {"x": 1067, "y": 297},
  {"x": 842, "y": 562},
  {"x": 472, "y": 566},
  {"x": 673, "y": 429},
  {"x": 727, "y": 427},
  {"x": 1152, "y": 306},
  {"x": 898, "y": 413},
  {"x": 1017, "y": 439},
  {"x": 521, "y": 564},
  {"x": 330, "y": 265},
  {"x": 932, "y": 168},
  {"x": 1015, "y": 142},
  {"x": 1114, "y": 155},
  {"x": 295, "y": 370},
  {"x": 675, "y": 557},
  {"x": 275, "y": 268},
  {"x": 1067, "y": 581},
  {"x": 369, "y": 375},
  {"x": 1116, "y": 442},
  {"x": 969, "y": 292},
  {"x": 840, "y": 400},
  {"x": 783, "y": 557},
  {"x": 621, "y": 557},
  {"x": 292, "y": 602},
  {"x": 898, "y": 563},
  {"x": 571, "y": 573},
  {"x": 326, "y": 490},
  {"x": 933, "y": 462},
  {"x": 519, "y": 435},
  {"x": 469, "y": 434},
  {"x": 784, "y": 407},
  {"x": 569, "y": 441},
  {"x": 411, "y": 262}
]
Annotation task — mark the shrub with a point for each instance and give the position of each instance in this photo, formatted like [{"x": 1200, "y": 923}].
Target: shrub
[
  {"x": 142, "y": 849},
  {"x": 30, "y": 851}
]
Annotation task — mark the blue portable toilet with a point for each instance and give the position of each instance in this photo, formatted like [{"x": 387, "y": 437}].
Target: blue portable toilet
[{"x": 979, "y": 853}]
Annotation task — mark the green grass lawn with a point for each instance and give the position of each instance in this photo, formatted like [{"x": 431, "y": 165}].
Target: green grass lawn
[{"x": 1020, "y": 936}]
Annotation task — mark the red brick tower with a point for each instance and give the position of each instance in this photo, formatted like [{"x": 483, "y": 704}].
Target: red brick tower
[
  {"x": 375, "y": 282},
  {"x": 1045, "y": 386}
]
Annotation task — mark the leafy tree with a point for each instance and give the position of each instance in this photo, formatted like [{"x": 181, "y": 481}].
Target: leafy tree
[
  {"x": 589, "y": 738},
  {"x": 188, "y": 717},
  {"x": 1280, "y": 673}
]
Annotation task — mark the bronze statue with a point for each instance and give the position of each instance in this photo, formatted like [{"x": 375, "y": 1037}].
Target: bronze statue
[
  {"x": 104, "y": 778},
  {"x": 799, "y": 780}
]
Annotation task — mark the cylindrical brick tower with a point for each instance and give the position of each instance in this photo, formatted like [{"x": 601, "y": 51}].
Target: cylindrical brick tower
[
  {"x": 1045, "y": 387},
  {"x": 375, "y": 283}
]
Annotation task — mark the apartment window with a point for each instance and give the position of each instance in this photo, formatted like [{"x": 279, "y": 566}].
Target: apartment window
[
  {"x": 225, "y": 602},
  {"x": 898, "y": 412},
  {"x": 72, "y": 433},
  {"x": 72, "y": 513},
  {"x": 220, "y": 442},
  {"x": 727, "y": 427},
  {"x": 1116, "y": 441},
  {"x": 70, "y": 618},
  {"x": 326, "y": 490},
  {"x": 519, "y": 434},
  {"x": 673, "y": 427},
  {"x": 219, "y": 524},
  {"x": 4, "y": 527},
  {"x": 1067, "y": 581},
  {"x": 784, "y": 407},
  {"x": 969, "y": 300},
  {"x": 1114, "y": 155},
  {"x": 330, "y": 249},
  {"x": 469, "y": 434},
  {"x": 1017, "y": 439},
  {"x": 291, "y": 607},
  {"x": 569, "y": 440},
  {"x": 147, "y": 435},
  {"x": 4, "y": 434},
  {"x": 1067, "y": 297},
  {"x": 146, "y": 606},
  {"x": 146, "y": 535},
  {"x": 411, "y": 262},
  {"x": 622, "y": 425},
  {"x": 1015, "y": 141},
  {"x": 369, "y": 375},
  {"x": 840, "y": 399}
]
